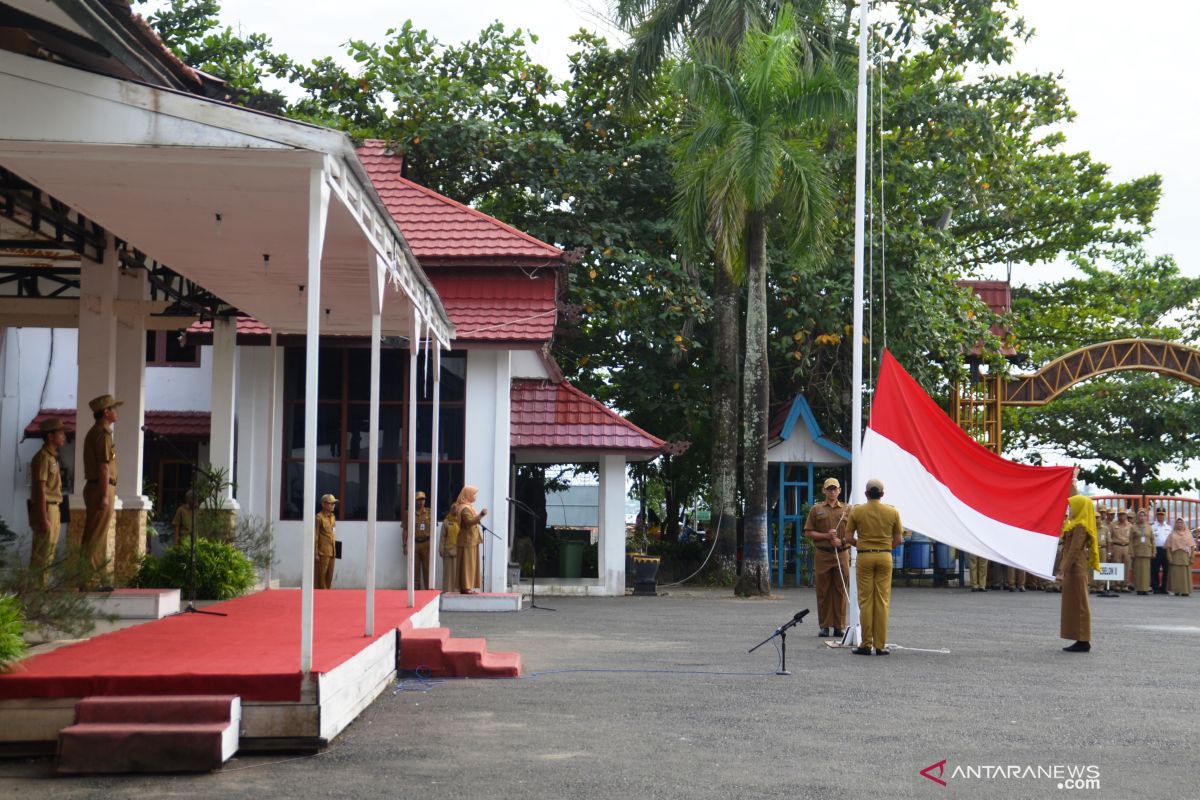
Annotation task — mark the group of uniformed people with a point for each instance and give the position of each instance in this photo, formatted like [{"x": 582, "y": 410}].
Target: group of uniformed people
[
  {"x": 99, "y": 493},
  {"x": 461, "y": 537}
]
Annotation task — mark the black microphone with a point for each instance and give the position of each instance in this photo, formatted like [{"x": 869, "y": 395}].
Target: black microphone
[{"x": 796, "y": 619}]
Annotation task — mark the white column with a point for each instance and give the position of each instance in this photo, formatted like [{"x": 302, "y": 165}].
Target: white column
[
  {"x": 130, "y": 380},
  {"x": 224, "y": 399},
  {"x": 97, "y": 348},
  {"x": 410, "y": 494},
  {"x": 611, "y": 547},
  {"x": 318, "y": 208},
  {"x": 487, "y": 462},
  {"x": 373, "y": 468},
  {"x": 435, "y": 448},
  {"x": 270, "y": 494}
]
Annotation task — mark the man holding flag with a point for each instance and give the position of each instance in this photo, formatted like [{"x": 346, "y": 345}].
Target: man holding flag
[{"x": 875, "y": 529}]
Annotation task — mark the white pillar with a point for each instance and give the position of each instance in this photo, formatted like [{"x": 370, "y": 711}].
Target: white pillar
[
  {"x": 487, "y": 462},
  {"x": 318, "y": 208},
  {"x": 373, "y": 468},
  {"x": 435, "y": 447},
  {"x": 410, "y": 494},
  {"x": 130, "y": 382},
  {"x": 224, "y": 399},
  {"x": 496, "y": 579},
  {"x": 611, "y": 546},
  {"x": 97, "y": 348}
]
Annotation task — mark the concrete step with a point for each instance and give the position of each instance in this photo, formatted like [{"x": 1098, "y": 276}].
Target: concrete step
[
  {"x": 150, "y": 734},
  {"x": 434, "y": 651}
]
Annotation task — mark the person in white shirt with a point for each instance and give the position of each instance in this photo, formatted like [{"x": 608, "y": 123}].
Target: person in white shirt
[{"x": 1158, "y": 567}]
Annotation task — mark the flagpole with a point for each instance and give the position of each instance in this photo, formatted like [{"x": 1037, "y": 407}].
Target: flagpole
[{"x": 857, "y": 476}]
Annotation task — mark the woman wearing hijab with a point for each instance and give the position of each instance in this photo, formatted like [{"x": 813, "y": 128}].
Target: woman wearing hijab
[
  {"x": 1141, "y": 540},
  {"x": 1180, "y": 549},
  {"x": 1080, "y": 555},
  {"x": 470, "y": 537}
]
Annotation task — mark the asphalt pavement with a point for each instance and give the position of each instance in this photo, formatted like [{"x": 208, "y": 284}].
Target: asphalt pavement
[{"x": 657, "y": 697}]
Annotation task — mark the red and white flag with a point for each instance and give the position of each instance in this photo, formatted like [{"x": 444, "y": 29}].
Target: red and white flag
[{"x": 953, "y": 489}]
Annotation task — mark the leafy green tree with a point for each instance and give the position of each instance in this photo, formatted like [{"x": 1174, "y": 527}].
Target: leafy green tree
[
  {"x": 1124, "y": 428},
  {"x": 749, "y": 153}
]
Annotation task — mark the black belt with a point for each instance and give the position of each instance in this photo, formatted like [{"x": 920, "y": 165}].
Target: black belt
[
  {"x": 875, "y": 551},
  {"x": 111, "y": 482},
  {"x": 419, "y": 540},
  {"x": 832, "y": 550}
]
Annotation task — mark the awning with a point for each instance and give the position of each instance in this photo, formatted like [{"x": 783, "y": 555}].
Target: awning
[{"x": 180, "y": 424}]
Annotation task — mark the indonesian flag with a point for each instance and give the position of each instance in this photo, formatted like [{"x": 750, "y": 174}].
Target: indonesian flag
[{"x": 953, "y": 489}]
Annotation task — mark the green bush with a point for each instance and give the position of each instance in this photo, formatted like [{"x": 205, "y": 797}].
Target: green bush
[
  {"x": 222, "y": 570},
  {"x": 12, "y": 625}
]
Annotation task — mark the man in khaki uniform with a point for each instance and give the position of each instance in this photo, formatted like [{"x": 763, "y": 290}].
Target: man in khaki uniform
[
  {"x": 826, "y": 526},
  {"x": 977, "y": 566},
  {"x": 1103, "y": 537},
  {"x": 876, "y": 531},
  {"x": 100, "y": 481},
  {"x": 326, "y": 548},
  {"x": 45, "y": 498},
  {"x": 424, "y": 524},
  {"x": 1141, "y": 545},
  {"x": 1118, "y": 545}
]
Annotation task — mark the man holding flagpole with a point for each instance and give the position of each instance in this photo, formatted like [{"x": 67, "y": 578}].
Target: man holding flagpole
[{"x": 875, "y": 530}]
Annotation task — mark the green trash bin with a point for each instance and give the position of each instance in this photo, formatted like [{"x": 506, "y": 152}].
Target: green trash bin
[{"x": 570, "y": 558}]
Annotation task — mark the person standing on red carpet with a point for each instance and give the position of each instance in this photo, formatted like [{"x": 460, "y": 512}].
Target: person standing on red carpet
[{"x": 326, "y": 542}]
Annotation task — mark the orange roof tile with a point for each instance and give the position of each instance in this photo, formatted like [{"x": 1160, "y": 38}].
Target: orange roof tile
[{"x": 557, "y": 416}]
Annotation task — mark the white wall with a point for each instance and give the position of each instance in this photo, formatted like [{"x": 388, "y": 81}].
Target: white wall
[
  {"x": 180, "y": 388},
  {"x": 528, "y": 364}
]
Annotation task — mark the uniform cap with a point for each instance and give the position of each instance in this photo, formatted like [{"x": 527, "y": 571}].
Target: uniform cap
[
  {"x": 875, "y": 483},
  {"x": 831, "y": 482},
  {"x": 420, "y": 495},
  {"x": 50, "y": 426},
  {"x": 1122, "y": 510},
  {"x": 103, "y": 402},
  {"x": 328, "y": 498}
]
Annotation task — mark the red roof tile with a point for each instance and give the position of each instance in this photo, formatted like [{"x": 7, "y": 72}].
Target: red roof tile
[
  {"x": 549, "y": 416},
  {"x": 246, "y": 326},
  {"x": 443, "y": 232},
  {"x": 165, "y": 423},
  {"x": 503, "y": 306}
]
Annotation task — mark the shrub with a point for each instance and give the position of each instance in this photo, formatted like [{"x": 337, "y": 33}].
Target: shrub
[
  {"x": 12, "y": 625},
  {"x": 222, "y": 570}
]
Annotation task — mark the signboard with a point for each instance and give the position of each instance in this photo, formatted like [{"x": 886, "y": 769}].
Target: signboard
[{"x": 1109, "y": 572}]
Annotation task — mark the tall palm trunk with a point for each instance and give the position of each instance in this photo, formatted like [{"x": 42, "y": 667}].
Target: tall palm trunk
[
  {"x": 725, "y": 425},
  {"x": 756, "y": 568}
]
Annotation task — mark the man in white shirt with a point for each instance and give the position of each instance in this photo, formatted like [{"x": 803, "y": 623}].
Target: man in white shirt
[{"x": 1158, "y": 567}]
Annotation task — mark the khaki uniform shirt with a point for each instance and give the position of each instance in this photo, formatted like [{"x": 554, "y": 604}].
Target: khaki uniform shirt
[
  {"x": 877, "y": 524},
  {"x": 424, "y": 525},
  {"x": 326, "y": 538},
  {"x": 183, "y": 519},
  {"x": 1142, "y": 540},
  {"x": 44, "y": 469},
  {"x": 98, "y": 449},
  {"x": 822, "y": 518},
  {"x": 1120, "y": 534}
]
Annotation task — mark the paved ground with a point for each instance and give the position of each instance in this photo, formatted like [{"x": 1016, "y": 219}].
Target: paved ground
[{"x": 658, "y": 698}]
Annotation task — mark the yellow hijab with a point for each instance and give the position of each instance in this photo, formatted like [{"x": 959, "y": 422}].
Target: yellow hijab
[{"x": 1083, "y": 515}]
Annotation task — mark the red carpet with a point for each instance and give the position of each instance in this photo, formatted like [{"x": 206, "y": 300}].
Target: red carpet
[{"x": 254, "y": 652}]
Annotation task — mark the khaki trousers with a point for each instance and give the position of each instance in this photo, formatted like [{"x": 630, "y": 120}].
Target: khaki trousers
[
  {"x": 874, "y": 597},
  {"x": 1120, "y": 554},
  {"x": 422, "y": 565},
  {"x": 323, "y": 572},
  {"x": 1015, "y": 578},
  {"x": 831, "y": 575},
  {"x": 93, "y": 544},
  {"x": 978, "y": 568},
  {"x": 45, "y": 542}
]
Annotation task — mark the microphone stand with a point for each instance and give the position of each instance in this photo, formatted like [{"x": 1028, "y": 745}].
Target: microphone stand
[
  {"x": 195, "y": 467},
  {"x": 781, "y": 632},
  {"x": 533, "y": 577}
]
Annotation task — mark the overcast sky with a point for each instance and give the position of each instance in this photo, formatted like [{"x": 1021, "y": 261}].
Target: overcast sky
[{"x": 1127, "y": 68}]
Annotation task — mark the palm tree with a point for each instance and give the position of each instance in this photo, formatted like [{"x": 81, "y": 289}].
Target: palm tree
[{"x": 749, "y": 157}]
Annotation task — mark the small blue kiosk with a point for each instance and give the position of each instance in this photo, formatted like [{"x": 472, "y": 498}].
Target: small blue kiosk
[{"x": 796, "y": 450}]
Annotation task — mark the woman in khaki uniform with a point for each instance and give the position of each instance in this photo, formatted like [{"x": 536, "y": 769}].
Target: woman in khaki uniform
[
  {"x": 1180, "y": 549},
  {"x": 470, "y": 537},
  {"x": 448, "y": 546},
  {"x": 1141, "y": 543},
  {"x": 1080, "y": 556}
]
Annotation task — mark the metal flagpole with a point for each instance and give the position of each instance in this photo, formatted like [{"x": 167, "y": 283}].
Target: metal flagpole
[{"x": 857, "y": 477}]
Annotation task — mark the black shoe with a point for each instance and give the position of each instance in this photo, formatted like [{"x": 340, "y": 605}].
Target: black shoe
[
  {"x": 861, "y": 651},
  {"x": 838, "y": 632},
  {"x": 1143, "y": 593},
  {"x": 882, "y": 651},
  {"x": 1078, "y": 647},
  {"x": 823, "y": 632},
  {"x": 1020, "y": 588}
]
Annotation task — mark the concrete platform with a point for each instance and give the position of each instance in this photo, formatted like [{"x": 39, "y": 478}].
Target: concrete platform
[
  {"x": 135, "y": 603},
  {"x": 482, "y": 601}
]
